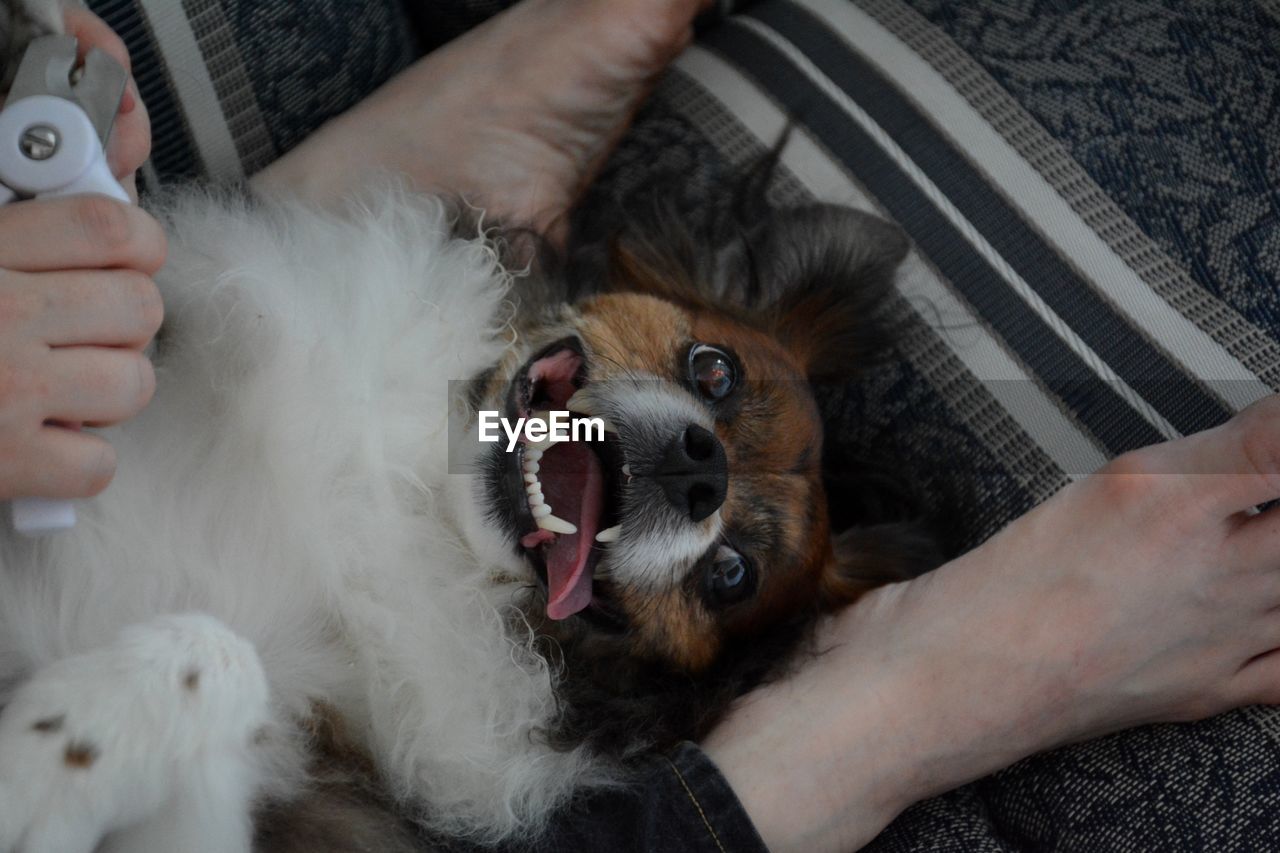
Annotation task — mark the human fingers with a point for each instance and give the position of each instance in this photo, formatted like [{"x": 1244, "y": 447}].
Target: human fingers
[
  {"x": 130, "y": 140},
  {"x": 57, "y": 463},
  {"x": 79, "y": 232},
  {"x": 1255, "y": 541},
  {"x": 91, "y": 31},
  {"x": 1228, "y": 469},
  {"x": 129, "y": 144},
  {"x": 1257, "y": 682},
  {"x": 84, "y": 307},
  {"x": 97, "y": 386}
]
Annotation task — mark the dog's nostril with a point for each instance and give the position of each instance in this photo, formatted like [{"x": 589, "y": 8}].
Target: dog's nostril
[{"x": 694, "y": 473}]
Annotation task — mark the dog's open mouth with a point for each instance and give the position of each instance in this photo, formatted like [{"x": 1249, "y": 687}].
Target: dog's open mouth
[{"x": 566, "y": 493}]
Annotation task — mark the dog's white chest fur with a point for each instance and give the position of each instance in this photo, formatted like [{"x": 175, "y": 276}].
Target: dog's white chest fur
[{"x": 290, "y": 480}]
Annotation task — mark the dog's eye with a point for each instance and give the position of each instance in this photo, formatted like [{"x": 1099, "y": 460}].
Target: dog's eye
[
  {"x": 730, "y": 578},
  {"x": 712, "y": 371}
]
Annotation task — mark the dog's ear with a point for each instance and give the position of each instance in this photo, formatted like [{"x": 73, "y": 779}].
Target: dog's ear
[
  {"x": 817, "y": 277},
  {"x": 820, "y": 278},
  {"x": 863, "y": 558}
]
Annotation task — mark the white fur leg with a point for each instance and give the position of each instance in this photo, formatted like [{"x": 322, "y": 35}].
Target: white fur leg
[
  {"x": 150, "y": 738},
  {"x": 210, "y": 811}
]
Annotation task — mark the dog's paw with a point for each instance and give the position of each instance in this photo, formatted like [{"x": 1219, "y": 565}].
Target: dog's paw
[{"x": 100, "y": 742}]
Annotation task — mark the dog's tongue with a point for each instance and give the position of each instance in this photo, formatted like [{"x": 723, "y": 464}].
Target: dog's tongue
[{"x": 573, "y": 485}]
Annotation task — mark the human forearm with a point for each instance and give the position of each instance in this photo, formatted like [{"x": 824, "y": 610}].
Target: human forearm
[
  {"x": 1145, "y": 593},
  {"x": 826, "y": 759}
]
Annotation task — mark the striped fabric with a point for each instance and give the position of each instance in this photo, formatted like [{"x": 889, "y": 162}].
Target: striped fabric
[
  {"x": 1047, "y": 333},
  {"x": 1092, "y": 193},
  {"x": 233, "y": 84}
]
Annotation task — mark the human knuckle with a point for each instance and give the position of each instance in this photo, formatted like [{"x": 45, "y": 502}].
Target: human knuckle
[
  {"x": 1130, "y": 478},
  {"x": 106, "y": 223},
  {"x": 19, "y": 385},
  {"x": 112, "y": 377},
  {"x": 18, "y": 305},
  {"x": 152, "y": 245},
  {"x": 146, "y": 382},
  {"x": 15, "y": 469},
  {"x": 145, "y": 298},
  {"x": 99, "y": 469},
  {"x": 1258, "y": 430}
]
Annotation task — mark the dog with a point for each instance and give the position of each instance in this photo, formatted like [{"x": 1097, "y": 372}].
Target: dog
[{"x": 310, "y": 584}]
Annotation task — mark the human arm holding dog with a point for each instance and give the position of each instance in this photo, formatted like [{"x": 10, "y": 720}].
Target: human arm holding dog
[
  {"x": 1145, "y": 593},
  {"x": 77, "y": 309}
]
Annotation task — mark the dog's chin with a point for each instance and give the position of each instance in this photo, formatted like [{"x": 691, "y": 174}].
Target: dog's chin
[{"x": 578, "y": 481}]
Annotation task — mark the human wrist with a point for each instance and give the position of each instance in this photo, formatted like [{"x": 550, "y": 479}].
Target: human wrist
[
  {"x": 901, "y": 705},
  {"x": 984, "y": 680},
  {"x": 814, "y": 758}
]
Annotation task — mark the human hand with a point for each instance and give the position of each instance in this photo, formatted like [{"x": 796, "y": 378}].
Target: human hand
[
  {"x": 130, "y": 140},
  {"x": 77, "y": 308},
  {"x": 1145, "y": 593}
]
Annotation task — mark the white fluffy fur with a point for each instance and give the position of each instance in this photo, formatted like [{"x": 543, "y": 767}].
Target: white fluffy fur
[{"x": 289, "y": 481}]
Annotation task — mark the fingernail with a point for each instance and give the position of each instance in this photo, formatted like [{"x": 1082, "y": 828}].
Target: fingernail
[{"x": 129, "y": 100}]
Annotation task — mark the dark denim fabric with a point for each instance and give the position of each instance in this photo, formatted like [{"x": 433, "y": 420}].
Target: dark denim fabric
[{"x": 681, "y": 803}]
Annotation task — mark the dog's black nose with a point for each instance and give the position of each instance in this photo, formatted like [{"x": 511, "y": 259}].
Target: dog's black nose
[{"x": 694, "y": 473}]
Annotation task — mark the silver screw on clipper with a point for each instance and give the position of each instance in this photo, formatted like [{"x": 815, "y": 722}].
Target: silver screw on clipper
[{"x": 39, "y": 142}]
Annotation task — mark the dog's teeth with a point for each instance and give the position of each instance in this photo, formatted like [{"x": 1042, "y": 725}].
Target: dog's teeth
[
  {"x": 534, "y": 488},
  {"x": 541, "y": 511},
  {"x": 533, "y": 449},
  {"x": 536, "y": 499},
  {"x": 531, "y": 467},
  {"x": 539, "y": 446},
  {"x": 531, "y": 478},
  {"x": 609, "y": 535},
  {"x": 554, "y": 524},
  {"x": 626, "y": 470}
]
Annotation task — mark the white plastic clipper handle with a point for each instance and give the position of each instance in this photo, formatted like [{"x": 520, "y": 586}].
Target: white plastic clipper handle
[{"x": 78, "y": 165}]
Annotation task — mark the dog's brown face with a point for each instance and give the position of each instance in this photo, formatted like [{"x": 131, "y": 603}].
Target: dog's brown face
[
  {"x": 764, "y": 548},
  {"x": 700, "y": 518}
]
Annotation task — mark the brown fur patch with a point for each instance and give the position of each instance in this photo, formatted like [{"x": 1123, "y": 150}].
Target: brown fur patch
[
  {"x": 632, "y": 332},
  {"x": 671, "y": 625},
  {"x": 344, "y": 809},
  {"x": 80, "y": 755}
]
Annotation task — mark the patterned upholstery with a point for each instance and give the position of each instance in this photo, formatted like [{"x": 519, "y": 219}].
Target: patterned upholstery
[
  {"x": 233, "y": 84},
  {"x": 1093, "y": 189}
]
